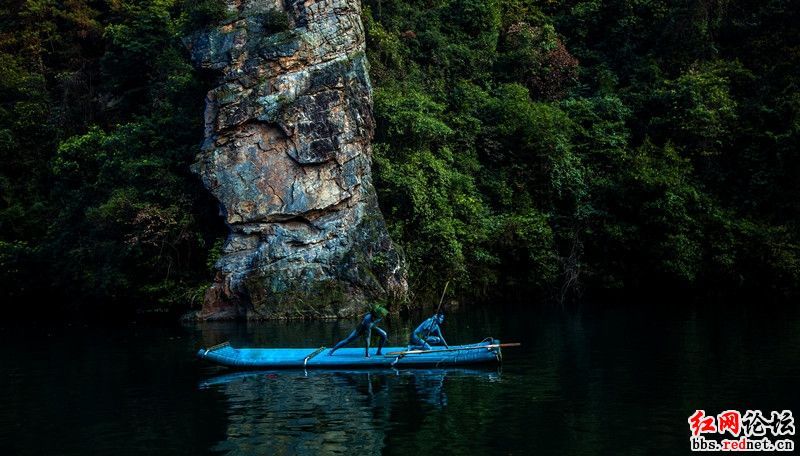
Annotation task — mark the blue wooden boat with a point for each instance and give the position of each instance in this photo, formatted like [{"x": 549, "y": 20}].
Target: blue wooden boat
[{"x": 487, "y": 351}]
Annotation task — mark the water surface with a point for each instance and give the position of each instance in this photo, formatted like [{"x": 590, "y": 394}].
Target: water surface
[{"x": 615, "y": 381}]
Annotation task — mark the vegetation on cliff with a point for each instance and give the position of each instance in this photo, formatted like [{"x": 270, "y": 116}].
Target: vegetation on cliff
[
  {"x": 566, "y": 145},
  {"x": 100, "y": 116},
  {"x": 546, "y": 146}
]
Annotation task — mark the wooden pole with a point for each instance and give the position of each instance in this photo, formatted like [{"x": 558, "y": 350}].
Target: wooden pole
[
  {"x": 475, "y": 347},
  {"x": 441, "y": 300}
]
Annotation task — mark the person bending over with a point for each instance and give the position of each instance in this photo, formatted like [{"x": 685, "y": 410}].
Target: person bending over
[
  {"x": 364, "y": 329},
  {"x": 428, "y": 333}
]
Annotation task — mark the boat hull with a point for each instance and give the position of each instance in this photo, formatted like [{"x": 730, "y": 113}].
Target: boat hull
[{"x": 275, "y": 358}]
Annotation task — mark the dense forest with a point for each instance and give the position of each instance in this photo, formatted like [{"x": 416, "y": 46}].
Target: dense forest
[{"x": 548, "y": 147}]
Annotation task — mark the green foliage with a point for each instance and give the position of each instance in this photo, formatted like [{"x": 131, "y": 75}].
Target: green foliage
[
  {"x": 101, "y": 115},
  {"x": 600, "y": 144},
  {"x": 699, "y": 111},
  {"x": 197, "y": 14},
  {"x": 273, "y": 21},
  {"x": 410, "y": 116},
  {"x": 548, "y": 146}
]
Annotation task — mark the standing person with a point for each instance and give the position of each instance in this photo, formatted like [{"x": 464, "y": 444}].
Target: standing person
[
  {"x": 365, "y": 328},
  {"x": 427, "y": 333}
]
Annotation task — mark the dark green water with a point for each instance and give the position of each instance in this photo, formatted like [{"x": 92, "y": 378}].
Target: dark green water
[{"x": 615, "y": 381}]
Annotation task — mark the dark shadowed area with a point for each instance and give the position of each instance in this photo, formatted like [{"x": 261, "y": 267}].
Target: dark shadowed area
[{"x": 591, "y": 380}]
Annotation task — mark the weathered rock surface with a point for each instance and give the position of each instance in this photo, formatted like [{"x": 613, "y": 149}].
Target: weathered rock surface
[{"x": 287, "y": 154}]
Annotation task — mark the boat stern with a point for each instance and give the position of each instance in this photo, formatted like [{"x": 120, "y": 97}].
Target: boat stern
[{"x": 498, "y": 350}]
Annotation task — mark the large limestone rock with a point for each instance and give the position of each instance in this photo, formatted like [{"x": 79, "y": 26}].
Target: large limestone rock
[{"x": 287, "y": 154}]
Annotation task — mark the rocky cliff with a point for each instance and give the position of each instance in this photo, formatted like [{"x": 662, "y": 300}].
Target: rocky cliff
[{"x": 287, "y": 154}]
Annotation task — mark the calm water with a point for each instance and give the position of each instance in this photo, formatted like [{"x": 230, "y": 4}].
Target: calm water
[{"x": 614, "y": 381}]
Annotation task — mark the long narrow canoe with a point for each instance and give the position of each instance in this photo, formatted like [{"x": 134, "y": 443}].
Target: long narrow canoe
[{"x": 488, "y": 351}]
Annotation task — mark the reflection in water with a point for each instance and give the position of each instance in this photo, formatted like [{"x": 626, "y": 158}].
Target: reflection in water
[
  {"x": 309, "y": 412},
  {"x": 608, "y": 381}
]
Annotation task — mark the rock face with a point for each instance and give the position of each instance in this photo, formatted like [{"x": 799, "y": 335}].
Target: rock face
[{"x": 287, "y": 154}]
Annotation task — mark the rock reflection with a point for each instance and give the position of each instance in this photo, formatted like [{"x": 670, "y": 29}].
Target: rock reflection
[{"x": 313, "y": 412}]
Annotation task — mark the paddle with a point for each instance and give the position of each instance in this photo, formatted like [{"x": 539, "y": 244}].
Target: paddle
[{"x": 474, "y": 347}]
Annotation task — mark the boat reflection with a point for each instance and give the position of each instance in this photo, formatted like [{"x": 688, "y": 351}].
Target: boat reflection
[{"x": 309, "y": 412}]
